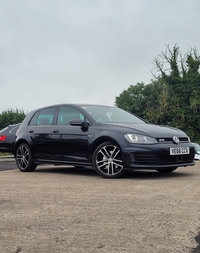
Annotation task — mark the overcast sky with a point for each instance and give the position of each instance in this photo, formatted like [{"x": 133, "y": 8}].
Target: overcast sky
[{"x": 88, "y": 51}]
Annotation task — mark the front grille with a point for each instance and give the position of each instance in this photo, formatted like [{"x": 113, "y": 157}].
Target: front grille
[
  {"x": 160, "y": 158},
  {"x": 143, "y": 158},
  {"x": 170, "y": 140},
  {"x": 164, "y": 158}
]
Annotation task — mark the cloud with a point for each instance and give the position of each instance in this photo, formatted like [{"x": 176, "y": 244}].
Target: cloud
[{"x": 86, "y": 51}]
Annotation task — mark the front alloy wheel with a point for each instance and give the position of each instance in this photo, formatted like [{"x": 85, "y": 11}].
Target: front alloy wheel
[
  {"x": 107, "y": 160},
  {"x": 24, "y": 158}
]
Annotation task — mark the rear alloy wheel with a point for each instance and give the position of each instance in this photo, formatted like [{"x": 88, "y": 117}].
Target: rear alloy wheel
[
  {"x": 167, "y": 170},
  {"x": 24, "y": 158},
  {"x": 107, "y": 160}
]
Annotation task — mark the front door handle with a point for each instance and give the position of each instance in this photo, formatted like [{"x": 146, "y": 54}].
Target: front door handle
[{"x": 31, "y": 131}]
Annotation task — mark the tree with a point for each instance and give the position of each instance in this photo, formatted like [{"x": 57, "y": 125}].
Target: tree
[
  {"x": 182, "y": 79},
  {"x": 173, "y": 97},
  {"x": 147, "y": 101},
  {"x": 11, "y": 117},
  {"x": 156, "y": 108},
  {"x": 132, "y": 99}
]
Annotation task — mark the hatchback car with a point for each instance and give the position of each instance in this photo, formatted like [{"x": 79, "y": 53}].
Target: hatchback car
[
  {"x": 106, "y": 138},
  {"x": 7, "y": 138}
]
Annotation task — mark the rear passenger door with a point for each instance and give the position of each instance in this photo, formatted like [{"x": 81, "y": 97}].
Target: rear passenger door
[
  {"x": 40, "y": 132},
  {"x": 69, "y": 143}
]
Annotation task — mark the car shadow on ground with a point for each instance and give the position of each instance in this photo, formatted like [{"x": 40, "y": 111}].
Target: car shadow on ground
[
  {"x": 66, "y": 170},
  {"x": 137, "y": 174},
  {"x": 153, "y": 174}
]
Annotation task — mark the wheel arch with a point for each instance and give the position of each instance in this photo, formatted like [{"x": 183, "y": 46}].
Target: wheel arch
[
  {"x": 19, "y": 142},
  {"x": 101, "y": 140}
]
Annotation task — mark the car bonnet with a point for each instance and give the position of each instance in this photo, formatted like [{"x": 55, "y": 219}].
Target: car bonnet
[{"x": 152, "y": 130}]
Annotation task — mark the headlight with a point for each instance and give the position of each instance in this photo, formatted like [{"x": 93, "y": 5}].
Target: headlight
[{"x": 140, "y": 139}]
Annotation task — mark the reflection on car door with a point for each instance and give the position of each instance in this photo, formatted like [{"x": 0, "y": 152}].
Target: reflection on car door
[
  {"x": 69, "y": 143},
  {"x": 40, "y": 131}
]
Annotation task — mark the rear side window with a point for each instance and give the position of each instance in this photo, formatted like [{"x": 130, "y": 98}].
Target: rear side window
[
  {"x": 43, "y": 117},
  {"x": 14, "y": 129}
]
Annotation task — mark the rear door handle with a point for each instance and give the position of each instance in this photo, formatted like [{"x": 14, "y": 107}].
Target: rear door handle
[
  {"x": 31, "y": 131},
  {"x": 55, "y": 131}
]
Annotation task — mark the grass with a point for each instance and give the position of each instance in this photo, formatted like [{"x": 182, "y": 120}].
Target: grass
[{"x": 5, "y": 154}]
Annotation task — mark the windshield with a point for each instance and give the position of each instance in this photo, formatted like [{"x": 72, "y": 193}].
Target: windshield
[{"x": 111, "y": 114}]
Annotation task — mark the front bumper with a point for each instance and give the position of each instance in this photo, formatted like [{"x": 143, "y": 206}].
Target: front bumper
[{"x": 156, "y": 156}]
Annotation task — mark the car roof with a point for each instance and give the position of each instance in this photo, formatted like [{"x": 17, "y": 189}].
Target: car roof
[
  {"x": 77, "y": 105},
  {"x": 71, "y": 104}
]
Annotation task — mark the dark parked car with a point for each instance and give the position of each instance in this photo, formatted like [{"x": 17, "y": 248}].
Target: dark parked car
[
  {"x": 107, "y": 138},
  {"x": 7, "y": 137}
]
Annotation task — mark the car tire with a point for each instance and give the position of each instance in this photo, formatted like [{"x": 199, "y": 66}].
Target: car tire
[
  {"x": 107, "y": 160},
  {"x": 166, "y": 170},
  {"x": 24, "y": 158}
]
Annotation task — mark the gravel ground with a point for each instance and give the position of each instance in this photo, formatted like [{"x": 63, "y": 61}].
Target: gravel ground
[
  {"x": 60, "y": 209},
  {"x": 6, "y": 165}
]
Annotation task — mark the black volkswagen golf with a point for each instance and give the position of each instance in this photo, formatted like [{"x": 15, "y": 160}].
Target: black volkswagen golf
[{"x": 106, "y": 138}]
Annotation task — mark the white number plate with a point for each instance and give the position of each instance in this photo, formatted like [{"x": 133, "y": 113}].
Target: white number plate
[{"x": 179, "y": 151}]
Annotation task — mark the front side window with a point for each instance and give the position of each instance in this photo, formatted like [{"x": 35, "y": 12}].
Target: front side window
[
  {"x": 43, "y": 117},
  {"x": 67, "y": 113}
]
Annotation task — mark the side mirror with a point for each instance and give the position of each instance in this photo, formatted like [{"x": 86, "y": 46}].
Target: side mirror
[{"x": 79, "y": 122}]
